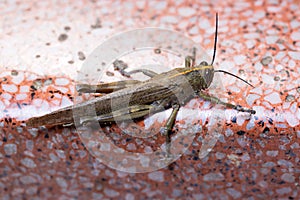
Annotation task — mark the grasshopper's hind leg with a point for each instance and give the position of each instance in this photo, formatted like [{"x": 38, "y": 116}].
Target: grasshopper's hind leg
[
  {"x": 124, "y": 114},
  {"x": 228, "y": 105}
]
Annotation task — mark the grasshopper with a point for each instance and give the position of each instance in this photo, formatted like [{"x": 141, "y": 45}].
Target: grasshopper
[{"x": 176, "y": 87}]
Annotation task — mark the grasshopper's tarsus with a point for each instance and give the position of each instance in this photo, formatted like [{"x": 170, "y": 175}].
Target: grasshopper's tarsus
[{"x": 242, "y": 109}]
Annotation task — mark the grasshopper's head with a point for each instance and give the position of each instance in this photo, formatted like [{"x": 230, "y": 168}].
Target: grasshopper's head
[{"x": 206, "y": 72}]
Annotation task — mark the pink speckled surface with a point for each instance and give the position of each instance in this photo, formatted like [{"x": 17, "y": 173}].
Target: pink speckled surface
[{"x": 253, "y": 159}]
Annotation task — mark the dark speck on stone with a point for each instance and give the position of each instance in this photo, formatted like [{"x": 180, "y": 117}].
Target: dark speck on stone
[
  {"x": 266, "y": 60},
  {"x": 289, "y": 98},
  {"x": 262, "y": 123},
  {"x": 233, "y": 119},
  {"x": 67, "y": 28},
  {"x": 14, "y": 73},
  {"x": 157, "y": 51},
  {"x": 270, "y": 121},
  {"x": 97, "y": 24},
  {"x": 108, "y": 73},
  {"x": 62, "y": 37},
  {"x": 81, "y": 55},
  {"x": 32, "y": 95},
  {"x": 266, "y": 130},
  {"x": 241, "y": 132}
]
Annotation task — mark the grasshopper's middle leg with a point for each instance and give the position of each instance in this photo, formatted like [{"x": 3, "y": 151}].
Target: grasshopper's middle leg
[
  {"x": 189, "y": 63},
  {"x": 228, "y": 105}
]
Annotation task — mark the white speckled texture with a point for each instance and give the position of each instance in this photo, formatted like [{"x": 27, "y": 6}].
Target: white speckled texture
[{"x": 42, "y": 47}]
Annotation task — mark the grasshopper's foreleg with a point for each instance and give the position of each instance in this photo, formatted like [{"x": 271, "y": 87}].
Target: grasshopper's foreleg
[
  {"x": 190, "y": 60},
  {"x": 120, "y": 66},
  {"x": 105, "y": 87},
  {"x": 167, "y": 129},
  {"x": 228, "y": 105}
]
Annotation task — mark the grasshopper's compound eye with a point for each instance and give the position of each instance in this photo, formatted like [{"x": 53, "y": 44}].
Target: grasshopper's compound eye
[
  {"x": 203, "y": 63},
  {"x": 208, "y": 74}
]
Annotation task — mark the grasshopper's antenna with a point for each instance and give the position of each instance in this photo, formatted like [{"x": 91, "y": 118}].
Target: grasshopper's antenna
[
  {"x": 234, "y": 76},
  {"x": 216, "y": 38},
  {"x": 215, "y": 48}
]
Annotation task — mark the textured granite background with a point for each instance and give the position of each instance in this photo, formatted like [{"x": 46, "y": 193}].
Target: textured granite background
[{"x": 42, "y": 47}]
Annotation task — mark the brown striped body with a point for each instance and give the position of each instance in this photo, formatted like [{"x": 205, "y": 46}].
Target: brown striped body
[{"x": 179, "y": 84}]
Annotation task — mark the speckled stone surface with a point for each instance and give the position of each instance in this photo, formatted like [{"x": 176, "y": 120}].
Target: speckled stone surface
[{"x": 42, "y": 47}]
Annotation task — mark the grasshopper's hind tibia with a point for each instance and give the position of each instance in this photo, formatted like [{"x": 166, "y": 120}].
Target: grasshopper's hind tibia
[
  {"x": 228, "y": 105},
  {"x": 167, "y": 129}
]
